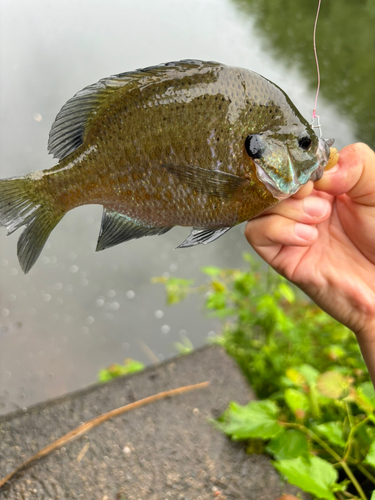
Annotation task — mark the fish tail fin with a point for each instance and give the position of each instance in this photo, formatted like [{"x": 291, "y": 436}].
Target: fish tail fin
[{"x": 21, "y": 206}]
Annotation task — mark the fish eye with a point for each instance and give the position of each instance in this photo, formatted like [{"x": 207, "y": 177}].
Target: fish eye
[
  {"x": 304, "y": 142},
  {"x": 254, "y": 146}
]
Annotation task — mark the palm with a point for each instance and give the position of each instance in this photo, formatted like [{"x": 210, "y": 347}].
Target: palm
[{"x": 345, "y": 243}]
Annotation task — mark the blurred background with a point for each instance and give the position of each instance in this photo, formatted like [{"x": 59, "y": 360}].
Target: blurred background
[{"x": 78, "y": 311}]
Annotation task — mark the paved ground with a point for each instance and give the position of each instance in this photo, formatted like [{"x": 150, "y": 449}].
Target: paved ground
[{"x": 167, "y": 450}]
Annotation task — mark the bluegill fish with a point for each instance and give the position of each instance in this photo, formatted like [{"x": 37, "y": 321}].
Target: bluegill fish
[{"x": 186, "y": 143}]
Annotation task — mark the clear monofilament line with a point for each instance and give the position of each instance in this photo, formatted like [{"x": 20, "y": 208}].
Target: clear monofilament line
[{"x": 314, "y": 115}]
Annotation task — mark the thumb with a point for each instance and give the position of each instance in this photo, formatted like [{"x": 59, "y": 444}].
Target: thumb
[{"x": 354, "y": 175}]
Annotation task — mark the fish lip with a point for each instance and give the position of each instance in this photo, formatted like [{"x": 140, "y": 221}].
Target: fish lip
[
  {"x": 271, "y": 185},
  {"x": 322, "y": 154}
]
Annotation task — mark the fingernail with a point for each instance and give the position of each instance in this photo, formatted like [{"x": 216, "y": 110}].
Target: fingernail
[
  {"x": 331, "y": 170},
  {"x": 315, "y": 207},
  {"x": 305, "y": 232}
]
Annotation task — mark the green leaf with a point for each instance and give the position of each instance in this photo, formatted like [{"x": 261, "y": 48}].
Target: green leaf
[
  {"x": 211, "y": 270},
  {"x": 373, "y": 495},
  {"x": 332, "y": 384},
  {"x": 370, "y": 457},
  {"x": 288, "y": 444},
  {"x": 216, "y": 300},
  {"x": 177, "y": 289},
  {"x": 367, "y": 393},
  {"x": 297, "y": 401},
  {"x": 287, "y": 292},
  {"x": 258, "y": 419},
  {"x": 222, "y": 313},
  {"x": 334, "y": 352},
  {"x": 295, "y": 377},
  {"x": 313, "y": 475},
  {"x": 115, "y": 370},
  {"x": 333, "y": 432},
  {"x": 309, "y": 372},
  {"x": 184, "y": 347}
]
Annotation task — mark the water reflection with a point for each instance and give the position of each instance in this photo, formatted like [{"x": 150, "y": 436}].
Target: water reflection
[
  {"x": 346, "y": 48},
  {"x": 78, "y": 310}
]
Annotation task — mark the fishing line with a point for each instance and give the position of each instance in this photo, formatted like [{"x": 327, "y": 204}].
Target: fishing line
[{"x": 314, "y": 115}]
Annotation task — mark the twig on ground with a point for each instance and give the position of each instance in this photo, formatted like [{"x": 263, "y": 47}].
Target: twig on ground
[{"x": 94, "y": 422}]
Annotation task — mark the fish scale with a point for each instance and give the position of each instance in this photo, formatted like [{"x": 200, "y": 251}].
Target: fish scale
[{"x": 188, "y": 143}]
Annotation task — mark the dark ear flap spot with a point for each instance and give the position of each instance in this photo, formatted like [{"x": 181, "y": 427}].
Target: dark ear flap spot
[{"x": 254, "y": 146}]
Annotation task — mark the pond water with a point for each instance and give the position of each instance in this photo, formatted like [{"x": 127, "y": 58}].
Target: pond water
[{"x": 78, "y": 311}]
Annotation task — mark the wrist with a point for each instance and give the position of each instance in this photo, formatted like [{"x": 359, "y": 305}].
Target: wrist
[{"x": 366, "y": 340}]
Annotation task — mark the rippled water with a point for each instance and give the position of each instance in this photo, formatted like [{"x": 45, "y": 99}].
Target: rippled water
[{"x": 78, "y": 311}]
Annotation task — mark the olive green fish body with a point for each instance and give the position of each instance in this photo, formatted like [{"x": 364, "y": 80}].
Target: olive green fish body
[{"x": 190, "y": 143}]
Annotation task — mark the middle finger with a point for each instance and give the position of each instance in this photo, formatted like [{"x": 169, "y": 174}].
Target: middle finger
[{"x": 309, "y": 210}]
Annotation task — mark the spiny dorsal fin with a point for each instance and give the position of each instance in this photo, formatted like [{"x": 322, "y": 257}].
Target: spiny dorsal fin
[
  {"x": 68, "y": 130},
  {"x": 117, "y": 228},
  {"x": 210, "y": 182},
  {"x": 203, "y": 235}
]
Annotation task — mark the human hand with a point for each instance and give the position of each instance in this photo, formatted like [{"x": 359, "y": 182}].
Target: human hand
[{"x": 323, "y": 240}]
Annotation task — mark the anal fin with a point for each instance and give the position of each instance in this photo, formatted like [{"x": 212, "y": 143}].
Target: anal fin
[
  {"x": 203, "y": 235},
  {"x": 117, "y": 228}
]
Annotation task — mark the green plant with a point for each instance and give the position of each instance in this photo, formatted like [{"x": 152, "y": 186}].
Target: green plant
[
  {"x": 316, "y": 415},
  {"x": 116, "y": 370}
]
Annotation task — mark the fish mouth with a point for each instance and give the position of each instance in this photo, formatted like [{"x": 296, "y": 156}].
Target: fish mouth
[
  {"x": 271, "y": 185},
  {"x": 322, "y": 153},
  {"x": 281, "y": 187}
]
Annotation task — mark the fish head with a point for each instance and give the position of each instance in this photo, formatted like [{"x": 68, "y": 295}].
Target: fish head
[{"x": 285, "y": 161}]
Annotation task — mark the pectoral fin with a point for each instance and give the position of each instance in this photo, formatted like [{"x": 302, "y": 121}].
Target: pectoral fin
[
  {"x": 199, "y": 235},
  {"x": 210, "y": 182},
  {"x": 117, "y": 228}
]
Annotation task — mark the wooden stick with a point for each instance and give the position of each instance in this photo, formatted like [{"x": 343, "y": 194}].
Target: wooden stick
[{"x": 94, "y": 422}]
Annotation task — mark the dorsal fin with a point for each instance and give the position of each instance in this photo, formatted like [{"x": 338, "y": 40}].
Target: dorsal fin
[
  {"x": 117, "y": 228},
  {"x": 68, "y": 130}
]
